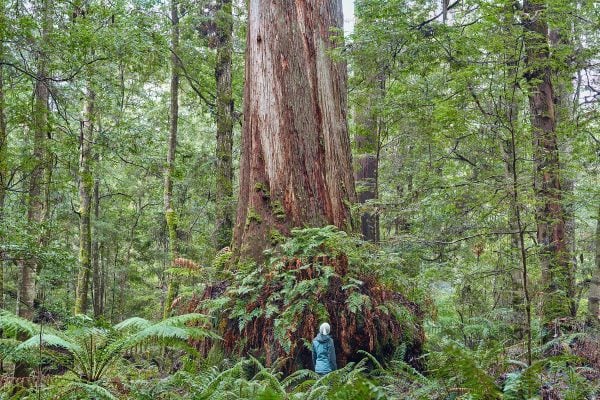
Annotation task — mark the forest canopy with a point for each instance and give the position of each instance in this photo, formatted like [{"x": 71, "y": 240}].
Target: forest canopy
[{"x": 189, "y": 188}]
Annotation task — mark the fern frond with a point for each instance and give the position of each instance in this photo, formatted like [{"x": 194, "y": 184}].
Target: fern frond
[
  {"x": 12, "y": 324},
  {"x": 91, "y": 390},
  {"x": 49, "y": 340},
  {"x": 299, "y": 376},
  {"x": 181, "y": 320},
  {"x": 372, "y": 358},
  {"x": 133, "y": 322}
]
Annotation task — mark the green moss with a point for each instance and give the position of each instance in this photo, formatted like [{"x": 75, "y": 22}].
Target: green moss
[
  {"x": 276, "y": 237},
  {"x": 253, "y": 216},
  {"x": 278, "y": 210},
  {"x": 222, "y": 260},
  {"x": 263, "y": 188}
]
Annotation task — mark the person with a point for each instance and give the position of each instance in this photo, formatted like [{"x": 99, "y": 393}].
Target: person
[{"x": 323, "y": 352}]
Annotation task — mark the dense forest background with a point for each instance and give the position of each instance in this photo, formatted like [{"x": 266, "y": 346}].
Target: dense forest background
[{"x": 475, "y": 139}]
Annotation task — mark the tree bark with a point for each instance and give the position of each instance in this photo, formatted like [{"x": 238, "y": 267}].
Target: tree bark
[
  {"x": 565, "y": 118},
  {"x": 516, "y": 273},
  {"x": 3, "y": 168},
  {"x": 594, "y": 293},
  {"x": 36, "y": 202},
  {"x": 521, "y": 298},
  {"x": 36, "y": 205},
  {"x": 97, "y": 284},
  {"x": 366, "y": 141},
  {"x": 170, "y": 215},
  {"x": 224, "y": 101},
  {"x": 296, "y": 167},
  {"x": 550, "y": 217},
  {"x": 86, "y": 184}
]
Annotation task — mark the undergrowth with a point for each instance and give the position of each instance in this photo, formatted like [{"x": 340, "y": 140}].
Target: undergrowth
[{"x": 319, "y": 274}]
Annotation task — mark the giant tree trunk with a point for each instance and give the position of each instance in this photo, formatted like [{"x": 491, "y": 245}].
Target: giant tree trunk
[
  {"x": 550, "y": 218},
  {"x": 86, "y": 184},
  {"x": 296, "y": 166},
  {"x": 224, "y": 189},
  {"x": 170, "y": 215}
]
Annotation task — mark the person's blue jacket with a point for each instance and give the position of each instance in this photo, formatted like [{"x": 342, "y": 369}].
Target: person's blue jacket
[{"x": 323, "y": 354}]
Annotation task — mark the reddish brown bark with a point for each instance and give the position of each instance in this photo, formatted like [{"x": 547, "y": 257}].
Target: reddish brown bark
[
  {"x": 296, "y": 166},
  {"x": 550, "y": 216}
]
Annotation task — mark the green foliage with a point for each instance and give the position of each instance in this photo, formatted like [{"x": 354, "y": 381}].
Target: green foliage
[
  {"x": 92, "y": 354},
  {"x": 249, "y": 379},
  {"x": 444, "y": 97}
]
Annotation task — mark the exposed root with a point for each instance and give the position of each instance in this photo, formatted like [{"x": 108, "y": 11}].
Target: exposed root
[{"x": 279, "y": 319}]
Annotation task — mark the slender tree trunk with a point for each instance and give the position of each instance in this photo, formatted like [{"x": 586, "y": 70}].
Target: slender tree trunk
[
  {"x": 520, "y": 301},
  {"x": 516, "y": 273},
  {"x": 366, "y": 141},
  {"x": 86, "y": 184},
  {"x": 224, "y": 188},
  {"x": 96, "y": 266},
  {"x": 565, "y": 118},
  {"x": 36, "y": 206},
  {"x": 550, "y": 217},
  {"x": 104, "y": 258},
  {"x": 170, "y": 215},
  {"x": 296, "y": 167},
  {"x": 3, "y": 170},
  {"x": 594, "y": 293}
]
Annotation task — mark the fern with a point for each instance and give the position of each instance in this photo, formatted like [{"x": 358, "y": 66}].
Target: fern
[
  {"x": 91, "y": 353},
  {"x": 12, "y": 325}
]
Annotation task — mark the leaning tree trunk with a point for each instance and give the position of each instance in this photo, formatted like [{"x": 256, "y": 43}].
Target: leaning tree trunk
[
  {"x": 550, "y": 216},
  {"x": 86, "y": 184},
  {"x": 296, "y": 166},
  {"x": 170, "y": 215},
  {"x": 224, "y": 172}
]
